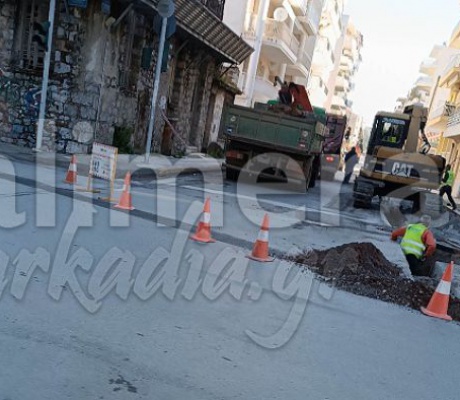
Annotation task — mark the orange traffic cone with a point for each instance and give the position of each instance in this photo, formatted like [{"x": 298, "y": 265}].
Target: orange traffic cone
[
  {"x": 203, "y": 230},
  {"x": 439, "y": 303},
  {"x": 125, "y": 199},
  {"x": 71, "y": 176},
  {"x": 260, "y": 249}
]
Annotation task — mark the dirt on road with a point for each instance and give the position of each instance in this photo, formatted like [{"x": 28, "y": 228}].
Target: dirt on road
[{"x": 362, "y": 269}]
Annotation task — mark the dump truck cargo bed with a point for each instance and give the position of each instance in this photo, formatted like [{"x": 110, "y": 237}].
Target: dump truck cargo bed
[{"x": 293, "y": 143}]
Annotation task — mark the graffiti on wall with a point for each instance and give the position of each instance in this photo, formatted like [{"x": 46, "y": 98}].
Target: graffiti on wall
[{"x": 10, "y": 91}]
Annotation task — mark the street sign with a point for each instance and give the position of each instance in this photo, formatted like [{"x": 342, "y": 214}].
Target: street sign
[
  {"x": 103, "y": 161},
  {"x": 166, "y": 8}
]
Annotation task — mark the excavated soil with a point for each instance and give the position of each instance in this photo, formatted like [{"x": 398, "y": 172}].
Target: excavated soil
[{"x": 362, "y": 269}]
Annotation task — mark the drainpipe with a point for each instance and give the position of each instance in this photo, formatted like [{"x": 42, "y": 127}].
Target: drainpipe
[
  {"x": 45, "y": 79},
  {"x": 254, "y": 60}
]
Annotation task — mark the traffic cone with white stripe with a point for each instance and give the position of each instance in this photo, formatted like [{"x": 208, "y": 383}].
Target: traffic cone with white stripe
[
  {"x": 439, "y": 303},
  {"x": 71, "y": 176},
  {"x": 125, "y": 202},
  {"x": 260, "y": 249},
  {"x": 203, "y": 230}
]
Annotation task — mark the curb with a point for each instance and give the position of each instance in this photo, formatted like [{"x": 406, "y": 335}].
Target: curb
[{"x": 63, "y": 161}]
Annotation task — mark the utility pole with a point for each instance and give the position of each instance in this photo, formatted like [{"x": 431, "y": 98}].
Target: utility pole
[
  {"x": 165, "y": 10},
  {"x": 45, "y": 79}
]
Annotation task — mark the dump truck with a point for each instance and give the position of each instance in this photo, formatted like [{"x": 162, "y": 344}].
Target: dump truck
[
  {"x": 396, "y": 165},
  {"x": 331, "y": 153},
  {"x": 263, "y": 134}
]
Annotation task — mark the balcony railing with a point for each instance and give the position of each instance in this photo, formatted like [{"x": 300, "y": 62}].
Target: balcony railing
[
  {"x": 445, "y": 110},
  {"x": 454, "y": 63},
  {"x": 304, "y": 59},
  {"x": 314, "y": 10},
  {"x": 454, "y": 119},
  {"x": 427, "y": 66},
  {"x": 424, "y": 82},
  {"x": 276, "y": 31},
  {"x": 215, "y": 6}
]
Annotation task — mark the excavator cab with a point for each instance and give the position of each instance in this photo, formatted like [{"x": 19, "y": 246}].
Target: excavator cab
[
  {"x": 395, "y": 166},
  {"x": 388, "y": 131}
]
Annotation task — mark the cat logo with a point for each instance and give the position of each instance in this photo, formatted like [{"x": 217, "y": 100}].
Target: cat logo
[{"x": 402, "y": 169}]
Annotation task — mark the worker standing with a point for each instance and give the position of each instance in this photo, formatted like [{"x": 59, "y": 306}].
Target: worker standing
[
  {"x": 351, "y": 159},
  {"x": 418, "y": 245},
  {"x": 446, "y": 188}
]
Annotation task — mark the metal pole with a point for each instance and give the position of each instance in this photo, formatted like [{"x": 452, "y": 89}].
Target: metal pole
[
  {"x": 156, "y": 86},
  {"x": 46, "y": 73}
]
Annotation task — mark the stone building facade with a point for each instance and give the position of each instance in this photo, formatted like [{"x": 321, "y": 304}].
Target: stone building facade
[{"x": 103, "y": 61}]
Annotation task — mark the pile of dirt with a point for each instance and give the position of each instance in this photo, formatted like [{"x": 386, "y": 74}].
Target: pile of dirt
[{"x": 362, "y": 269}]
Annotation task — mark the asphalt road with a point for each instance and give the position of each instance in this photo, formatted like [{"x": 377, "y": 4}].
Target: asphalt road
[{"x": 99, "y": 305}]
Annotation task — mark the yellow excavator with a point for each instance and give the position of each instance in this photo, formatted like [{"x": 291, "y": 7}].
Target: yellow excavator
[{"x": 396, "y": 165}]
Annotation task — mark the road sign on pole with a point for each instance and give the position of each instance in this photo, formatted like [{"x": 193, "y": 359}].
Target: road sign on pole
[
  {"x": 45, "y": 79},
  {"x": 166, "y": 10}
]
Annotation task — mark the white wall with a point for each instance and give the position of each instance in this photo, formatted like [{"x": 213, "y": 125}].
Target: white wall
[{"x": 234, "y": 15}]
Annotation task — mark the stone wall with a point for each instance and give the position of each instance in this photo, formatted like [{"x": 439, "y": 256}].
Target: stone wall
[
  {"x": 194, "y": 73},
  {"x": 87, "y": 99}
]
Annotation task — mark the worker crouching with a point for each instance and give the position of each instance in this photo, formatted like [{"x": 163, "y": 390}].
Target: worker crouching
[{"x": 418, "y": 245}]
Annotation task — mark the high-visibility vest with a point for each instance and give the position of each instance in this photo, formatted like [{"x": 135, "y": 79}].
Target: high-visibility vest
[
  {"x": 450, "y": 179},
  {"x": 412, "y": 242}
]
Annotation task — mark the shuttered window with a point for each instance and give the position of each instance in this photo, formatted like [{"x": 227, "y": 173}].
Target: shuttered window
[{"x": 28, "y": 53}]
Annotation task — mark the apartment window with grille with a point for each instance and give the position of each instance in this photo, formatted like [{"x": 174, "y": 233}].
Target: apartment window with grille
[
  {"x": 132, "y": 55},
  {"x": 28, "y": 53}
]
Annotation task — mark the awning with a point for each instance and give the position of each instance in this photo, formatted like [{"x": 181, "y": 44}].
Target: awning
[{"x": 193, "y": 17}]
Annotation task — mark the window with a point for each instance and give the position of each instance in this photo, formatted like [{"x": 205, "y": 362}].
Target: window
[
  {"x": 28, "y": 53},
  {"x": 132, "y": 54},
  {"x": 215, "y": 6},
  {"x": 393, "y": 131}
]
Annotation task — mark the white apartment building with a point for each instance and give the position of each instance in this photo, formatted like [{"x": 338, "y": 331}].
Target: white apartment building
[
  {"x": 348, "y": 59},
  {"x": 324, "y": 59},
  {"x": 440, "y": 106},
  {"x": 432, "y": 92},
  {"x": 283, "y": 35}
]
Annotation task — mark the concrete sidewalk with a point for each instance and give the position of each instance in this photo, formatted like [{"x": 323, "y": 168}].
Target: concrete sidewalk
[{"x": 159, "y": 166}]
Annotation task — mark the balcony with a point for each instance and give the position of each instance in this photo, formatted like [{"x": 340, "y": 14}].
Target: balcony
[
  {"x": 455, "y": 38},
  {"x": 451, "y": 73},
  {"x": 339, "y": 102},
  {"x": 279, "y": 44},
  {"x": 264, "y": 90},
  {"x": 342, "y": 83},
  {"x": 215, "y": 6},
  {"x": 439, "y": 116},
  {"x": 310, "y": 14},
  {"x": 424, "y": 82},
  {"x": 428, "y": 67},
  {"x": 346, "y": 64},
  {"x": 453, "y": 125},
  {"x": 302, "y": 67},
  {"x": 323, "y": 52}
]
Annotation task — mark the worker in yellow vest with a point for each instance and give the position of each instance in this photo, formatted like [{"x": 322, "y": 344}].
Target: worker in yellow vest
[
  {"x": 447, "y": 183},
  {"x": 418, "y": 245}
]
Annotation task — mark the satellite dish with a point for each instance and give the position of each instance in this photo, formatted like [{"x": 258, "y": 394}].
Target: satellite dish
[{"x": 280, "y": 14}]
